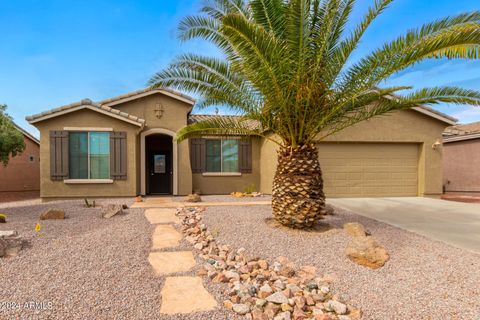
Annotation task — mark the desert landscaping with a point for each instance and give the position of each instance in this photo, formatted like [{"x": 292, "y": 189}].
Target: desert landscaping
[{"x": 251, "y": 267}]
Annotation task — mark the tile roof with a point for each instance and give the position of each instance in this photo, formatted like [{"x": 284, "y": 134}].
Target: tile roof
[
  {"x": 27, "y": 134},
  {"x": 89, "y": 104},
  {"x": 146, "y": 91},
  {"x": 460, "y": 129}
]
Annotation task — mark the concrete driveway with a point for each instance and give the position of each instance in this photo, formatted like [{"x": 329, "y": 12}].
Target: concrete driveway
[{"x": 455, "y": 223}]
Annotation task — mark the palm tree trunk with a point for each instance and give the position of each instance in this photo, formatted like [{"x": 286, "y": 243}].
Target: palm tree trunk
[{"x": 298, "y": 200}]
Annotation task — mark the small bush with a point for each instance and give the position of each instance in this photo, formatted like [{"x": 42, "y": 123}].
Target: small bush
[{"x": 3, "y": 218}]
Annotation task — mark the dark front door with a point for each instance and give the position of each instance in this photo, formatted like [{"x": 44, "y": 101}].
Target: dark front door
[{"x": 159, "y": 173}]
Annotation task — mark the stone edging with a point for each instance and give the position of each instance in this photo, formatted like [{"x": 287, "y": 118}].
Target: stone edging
[{"x": 260, "y": 290}]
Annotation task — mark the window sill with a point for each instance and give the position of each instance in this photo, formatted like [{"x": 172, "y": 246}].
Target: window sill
[
  {"x": 221, "y": 174},
  {"x": 87, "y": 181}
]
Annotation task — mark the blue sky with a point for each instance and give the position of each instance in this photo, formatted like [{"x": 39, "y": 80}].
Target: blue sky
[{"x": 54, "y": 52}]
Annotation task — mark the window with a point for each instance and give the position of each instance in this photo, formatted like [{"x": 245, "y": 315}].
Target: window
[
  {"x": 89, "y": 155},
  {"x": 222, "y": 155}
]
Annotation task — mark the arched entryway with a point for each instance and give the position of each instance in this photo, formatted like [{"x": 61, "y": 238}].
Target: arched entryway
[{"x": 158, "y": 162}]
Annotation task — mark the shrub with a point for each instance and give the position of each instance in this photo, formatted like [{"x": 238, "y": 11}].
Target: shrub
[{"x": 3, "y": 218}]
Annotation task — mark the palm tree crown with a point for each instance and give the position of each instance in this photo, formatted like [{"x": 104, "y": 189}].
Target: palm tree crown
[{"x": 286, "y": 66}]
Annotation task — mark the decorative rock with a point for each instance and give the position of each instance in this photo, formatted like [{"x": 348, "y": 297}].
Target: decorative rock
[
  {"x": 283, "y": 316},
  {"x": 278, "y": 298},
  {"x": 367, "y": 252},
  {"x": 355, "y": 229},
  {"x": 312, "y": 285},
  {"x": 193, "y": 198},
  {"x": 324, "y": 289},
  {"x": 299, "y": 302},
  {"x": 298, "y": 314},
  {"x": 279, "y": 284},
  {"x": 336, "y": 306},
  {"x": 287, "y": 271},
  {"x": 228, "y": 304},
  {"x": 52, "y": 214},
  {"x": 198, "y": 246},
  {"x": 263, "y": 264},
  {"x": 232, "y": 275},
  {"x": 241, "y": 308},
  {"x": 271, "y": 310},
  {"x": 286, "y": 307},
  {"x": 260, "y": 303},
  {"x": 258, "y": 315},
  {"x": 10, "y": 243},
  {"x": 111, "y": 210},
  {"x": 343, "y": 317}
]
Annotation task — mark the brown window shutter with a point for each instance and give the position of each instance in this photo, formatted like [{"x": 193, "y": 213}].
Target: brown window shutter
[
  {"x": 245, "y": 155},
  {"x": 118, "y": 155},
  {"x": 58, "y": 155},
  {"x": 197, "y": 155}
]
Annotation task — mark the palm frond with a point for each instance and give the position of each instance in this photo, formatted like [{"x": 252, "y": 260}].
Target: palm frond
[{"x": 222, "y": 126}]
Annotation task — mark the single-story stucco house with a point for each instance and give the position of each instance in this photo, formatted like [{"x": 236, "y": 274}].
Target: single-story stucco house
[
  {"x": 125, "y": 146},
  {"x": 23, "y": 171},
  {"x": 461, "y": 159}
]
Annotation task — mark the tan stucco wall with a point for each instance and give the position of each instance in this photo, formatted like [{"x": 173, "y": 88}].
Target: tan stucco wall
[
  {"x": 86, "y": 118},
  {"x": 461, "y": 165},
  {"x": 21, "y": 174},
  {"x": 227, "y": 184},
  {"x": 173, "y": 119},
  {"x": 403, "y": 126}
]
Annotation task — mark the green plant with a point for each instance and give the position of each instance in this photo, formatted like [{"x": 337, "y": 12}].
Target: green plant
[
  {"x": 3, "y": 218},
  {"x": 288, "y": 66},
  {"x": 249, "y": 189},
  {"x": 11, "y": 139}
]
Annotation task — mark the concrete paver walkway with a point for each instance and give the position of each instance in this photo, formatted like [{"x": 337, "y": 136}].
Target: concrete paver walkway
[
  {"x": 165, "y": 263},
  {"x": 150, "y": 204},
  {"x": 165, "y": 236},
  {"x": 161, "y": 215},
  {"x": 455, "y": 223},
  {"x": 185, "y": 295},
  {"x": 179, "y": 294}
]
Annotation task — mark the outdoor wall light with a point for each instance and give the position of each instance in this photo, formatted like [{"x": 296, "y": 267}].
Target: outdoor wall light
[{"x": 436, "y": 145}]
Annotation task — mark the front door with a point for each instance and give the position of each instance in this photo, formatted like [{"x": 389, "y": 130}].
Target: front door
[{"x": 159, "y": 172}]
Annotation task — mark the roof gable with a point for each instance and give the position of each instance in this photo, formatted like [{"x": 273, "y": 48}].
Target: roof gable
[{"x": 86, "y": 104}]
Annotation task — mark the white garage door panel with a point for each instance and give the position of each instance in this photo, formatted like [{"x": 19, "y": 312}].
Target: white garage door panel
[{"x": 369, "y": 169}]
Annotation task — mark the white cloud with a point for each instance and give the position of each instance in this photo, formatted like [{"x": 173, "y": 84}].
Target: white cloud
[{"x": 468, "y": 115}]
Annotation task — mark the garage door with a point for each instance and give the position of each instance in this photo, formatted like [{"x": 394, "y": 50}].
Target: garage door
[{"x": 369, "y": 169}]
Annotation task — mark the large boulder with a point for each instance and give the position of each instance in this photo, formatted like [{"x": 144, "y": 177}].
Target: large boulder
[
  {"x": 52, "y": 214},
  {"x": 367, "y": 252},
  {"x": 193, "y": 198},
  {"x": 355, "y": 229},
  {"x": 111, "y": 209},
  {"x": 10, "y": 243}
]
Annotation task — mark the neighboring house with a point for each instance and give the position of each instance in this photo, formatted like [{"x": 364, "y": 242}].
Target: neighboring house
[
  {"x": 125, "y": 146},
  {"x": 461, "y": 153},
  {"x": 23, "y": 171}
]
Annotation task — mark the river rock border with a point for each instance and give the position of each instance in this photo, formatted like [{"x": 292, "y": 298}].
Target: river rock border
[{"x": 260, "y": 290}]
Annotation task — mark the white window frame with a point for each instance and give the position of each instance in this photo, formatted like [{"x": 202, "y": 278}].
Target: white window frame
[
  {"x": 89, "y": 178},
  {"x": 221, "y": 172}
]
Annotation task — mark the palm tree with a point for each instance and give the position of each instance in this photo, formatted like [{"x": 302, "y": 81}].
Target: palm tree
[{"x": 287, "y": 66}]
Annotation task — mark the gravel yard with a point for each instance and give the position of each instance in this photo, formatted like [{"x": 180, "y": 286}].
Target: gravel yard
[
  {"x": 424, "y": 279},
  {"x": 84, "y": 267}
]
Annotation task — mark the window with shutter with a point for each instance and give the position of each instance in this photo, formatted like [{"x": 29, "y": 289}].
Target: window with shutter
[{"x": 59, "y": 155}]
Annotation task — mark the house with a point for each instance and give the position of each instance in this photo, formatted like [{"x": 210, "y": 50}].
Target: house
[
  {"x": 125, "y": 146},
  {"x": 23, "y": 171},
  {"x": 461, "y": 165}
]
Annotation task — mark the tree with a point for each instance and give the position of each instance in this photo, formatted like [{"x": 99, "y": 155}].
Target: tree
[
  {"x": 11, "y": 140},
  {"x": 287, "y": 66}
]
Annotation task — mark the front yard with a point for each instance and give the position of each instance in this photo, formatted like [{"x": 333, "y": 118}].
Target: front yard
[{"x": 89, "y": 267}]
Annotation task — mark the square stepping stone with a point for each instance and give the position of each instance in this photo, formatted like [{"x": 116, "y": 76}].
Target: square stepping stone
[
  {"x": 185, "y": 295},
  {"x": 165, "y": 236},
  {"x": 161, "y": 215},
  {"x": 165, "y": 263}
]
